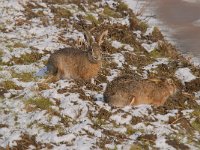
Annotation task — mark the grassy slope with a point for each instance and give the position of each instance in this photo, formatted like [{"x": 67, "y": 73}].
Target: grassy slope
[{"x": 61, "y": 114}]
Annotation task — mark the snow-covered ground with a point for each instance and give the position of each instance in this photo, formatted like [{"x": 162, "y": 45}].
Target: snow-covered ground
[{"x": 70, "y": 115}]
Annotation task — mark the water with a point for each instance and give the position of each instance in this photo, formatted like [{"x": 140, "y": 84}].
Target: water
[{"x": 181, "y": 20}]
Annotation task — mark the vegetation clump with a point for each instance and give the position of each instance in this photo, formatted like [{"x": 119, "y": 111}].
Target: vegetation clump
[
  {"x": 136, "y": 24},
  {"x": 26, "y": 58},
  {"x": 92, "y": 19},
  {"x": 40, "y": 102},
  {"x": 61, "y": 12},
  {"x": 122, "y": 7},
  {"x": 25, "y": 76},
  {"x": 156, "y": 35},
  {"x": 10, "y": 85},
  {"x": 110, "y": 12}
]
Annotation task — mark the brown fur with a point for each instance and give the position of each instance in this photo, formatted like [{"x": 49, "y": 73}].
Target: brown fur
[
  {"x": 74, "y": 63},
  {"x": 125, "y": 91}
]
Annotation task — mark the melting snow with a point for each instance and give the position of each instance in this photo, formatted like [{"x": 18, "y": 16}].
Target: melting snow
[
  {"x": 185, "y": 75},
  {"x": 119, "y": 59},
  {"x": 150, "y": 47}
]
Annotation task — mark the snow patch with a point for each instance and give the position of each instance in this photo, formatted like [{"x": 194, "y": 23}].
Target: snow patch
[
  {"x": 119, "y": 59},
  {"x": 150, "y": 47},
  {"x": 185, "y": 75},
  {"x": 121, "y": 119},
  {"x": 117, "y": 45}
]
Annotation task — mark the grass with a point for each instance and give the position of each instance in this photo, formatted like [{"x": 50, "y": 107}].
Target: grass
[
  {"x": 2, "y": 27},
  {"x": 130, "y": 130},
  {"x": 26, "y": 77},
  {"x": 54, "y": 2},
  {"x": 40, "y": 102},
  {"x": 155, "y": 54},
  {"x": 1, "y": 54},
  {"x": 49, "y": 128},
  {"x": 10, "y": 85},
  {"x": 142, "y": 26},
  {"x": 110, "y": 12},
  {"x": 135, "y": 147},
  {"x": 92, "y": 19},
  {"x": 26, "y": 58},
  {"x": 196, "y": 123},
  {"x": 122, "y": 7},
  {"x": 19, "y": 45},
  {"x": 157, "y": 35},
  {"x": 99, "y": 122},
  {"x": 61, "y": 12}
]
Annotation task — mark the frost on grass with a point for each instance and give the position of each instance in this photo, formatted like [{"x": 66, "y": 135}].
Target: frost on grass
[{"x": 68, "y": 114}]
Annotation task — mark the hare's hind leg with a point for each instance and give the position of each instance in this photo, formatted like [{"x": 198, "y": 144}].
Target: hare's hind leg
[
  {"x": 60, "y": 74},
  {"x": 132, "y": 101}
]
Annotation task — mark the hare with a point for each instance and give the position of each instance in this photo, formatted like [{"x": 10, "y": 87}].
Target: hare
[
  {"x": 75, "y": 63},
  {"x": 125, "y": 91}
]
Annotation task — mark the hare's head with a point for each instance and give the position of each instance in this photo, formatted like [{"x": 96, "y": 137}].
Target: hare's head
[
  {"x": 94, "y": 46},
  {"x": 171, "y": 86}
]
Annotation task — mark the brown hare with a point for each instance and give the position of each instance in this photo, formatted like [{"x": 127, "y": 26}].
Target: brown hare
[
  {"x": 127, "y": 90},
  {"x": 75, "y": 63}
]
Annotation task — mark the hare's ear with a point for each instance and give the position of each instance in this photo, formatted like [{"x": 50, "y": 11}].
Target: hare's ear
[
  {"x": 88, "y": 38},
  {"x": 100, "y": 38}
]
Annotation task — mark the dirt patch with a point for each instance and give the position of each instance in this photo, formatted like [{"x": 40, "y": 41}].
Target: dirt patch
[
  {"x": 181, "y": 101},
  {"x": 177, "y": 144},
  {"x": 193, "y": 86},
  {"x": 27, "y": 141}
]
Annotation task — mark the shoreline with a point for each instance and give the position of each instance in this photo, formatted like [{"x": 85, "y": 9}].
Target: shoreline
[{"x": 150, "y": 9}]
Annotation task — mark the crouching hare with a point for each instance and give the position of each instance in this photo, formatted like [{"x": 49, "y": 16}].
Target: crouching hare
[
  {"x": 125, "y": 91},
  {"x": 75, "y": 63}
]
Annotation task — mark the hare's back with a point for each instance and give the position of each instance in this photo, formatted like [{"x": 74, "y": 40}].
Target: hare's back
[
  {"x": 65, "y": 52},
  {"x": 123, "y": 83}
]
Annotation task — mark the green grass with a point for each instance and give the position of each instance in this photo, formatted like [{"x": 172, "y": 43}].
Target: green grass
[
  {"x": 99, "y": 122},
  {"x": 1, "y": 54},
  {"x": 122, "y": 7},
  {"x": 196, "y": 124},
  {"x": 155, "y": 53},
  {"x": 110, "y": 12},
  {"x": 2, "y": 27},
  {"x": 130, "y": 130},
  {"x": 26, "y": 77},
  {"x": 143, "y": 26},
  {"x": 10, "y": 85},
  {"x": 40, "y": 102},
  {"x": 92, "y": 19}
]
